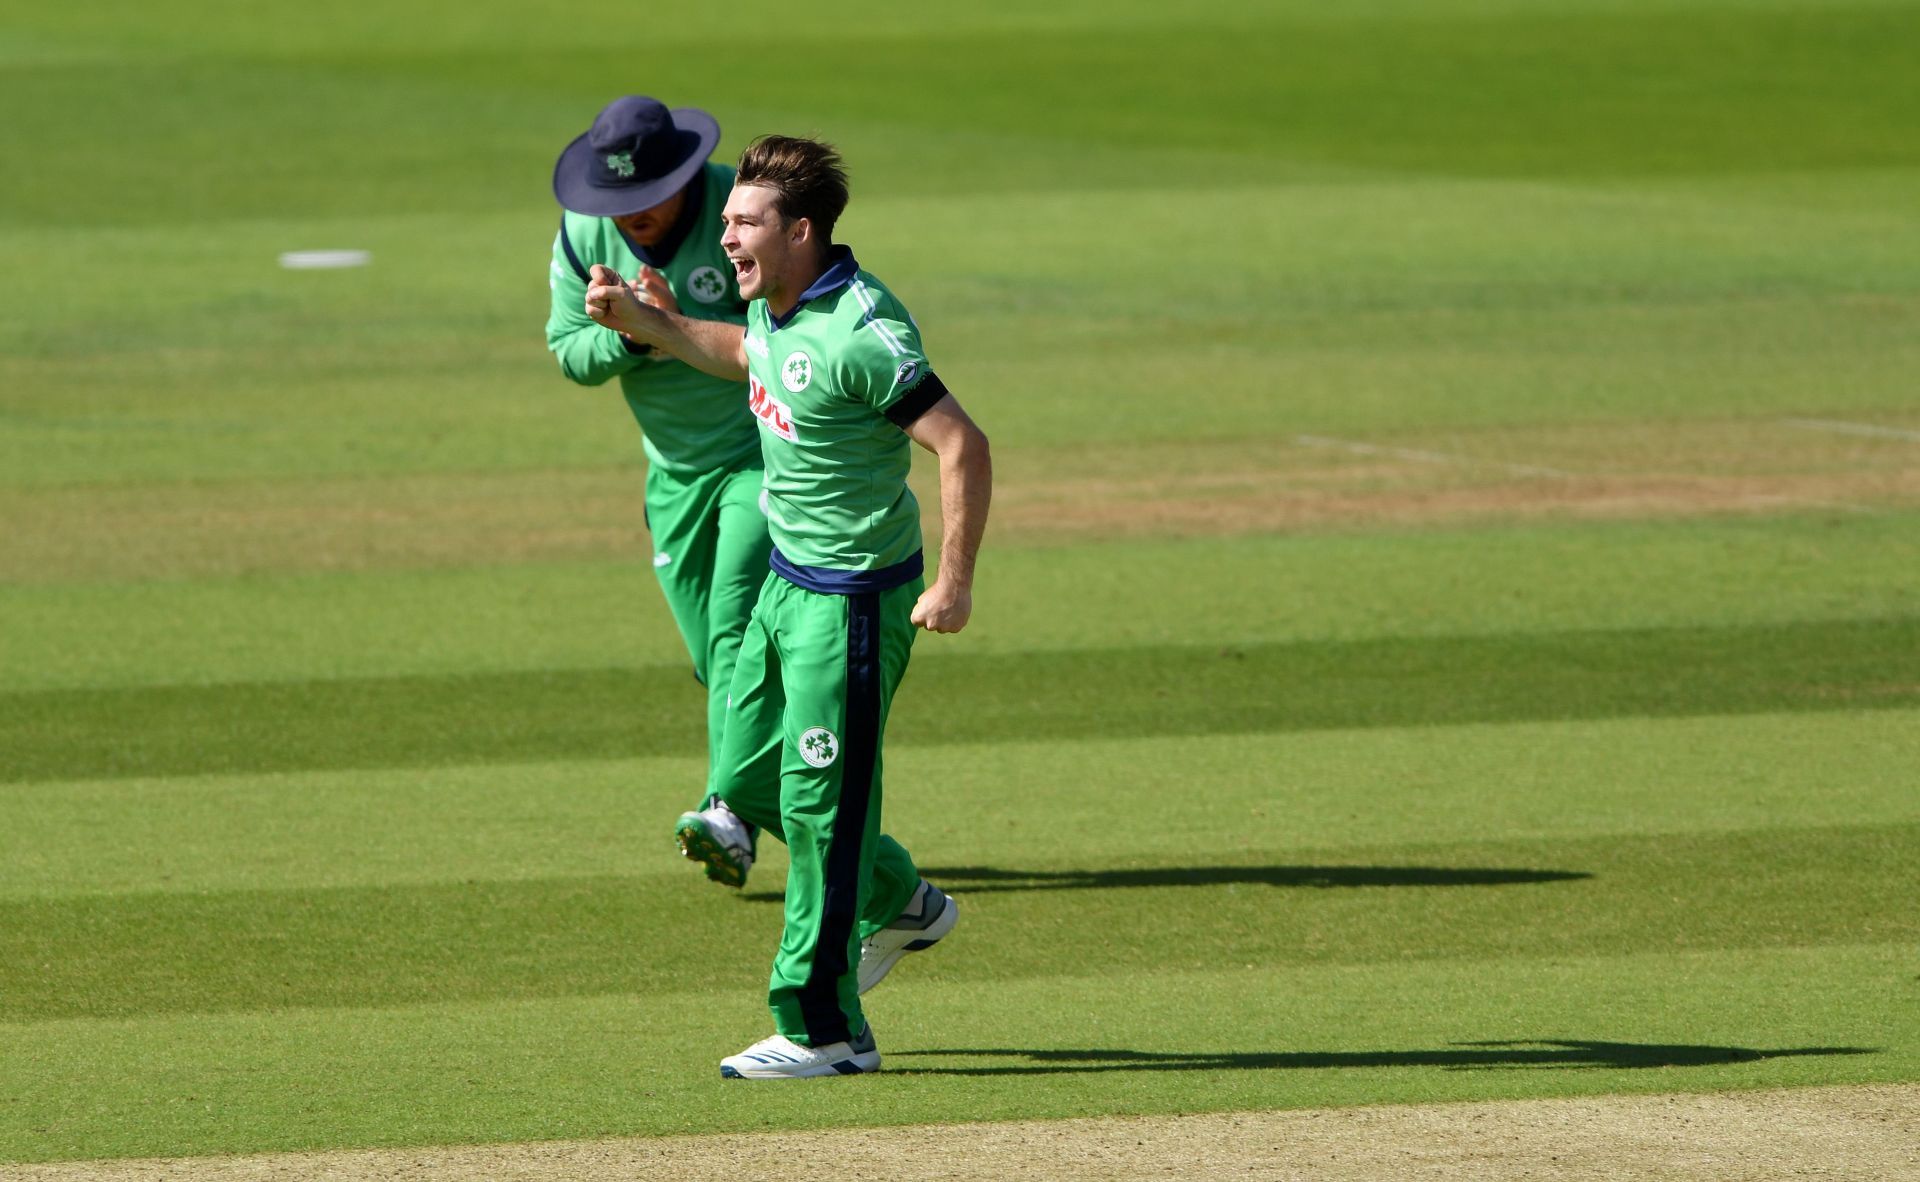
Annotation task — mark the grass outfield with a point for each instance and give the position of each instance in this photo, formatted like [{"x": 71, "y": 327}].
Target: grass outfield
[{"x": 1449, "y": 629}]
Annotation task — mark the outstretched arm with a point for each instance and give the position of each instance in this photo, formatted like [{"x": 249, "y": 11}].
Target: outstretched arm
[
  {"x": 713, "y": 346},
  {"x": 966, "y": 488},
  {"x": 588, "y": 354}
]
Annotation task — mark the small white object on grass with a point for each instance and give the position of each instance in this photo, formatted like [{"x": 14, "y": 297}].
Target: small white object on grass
[{"x": 324, "y": 260}]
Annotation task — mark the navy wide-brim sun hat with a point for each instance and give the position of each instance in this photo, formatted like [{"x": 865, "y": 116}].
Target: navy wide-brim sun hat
[{"x": 636, "y": 155}]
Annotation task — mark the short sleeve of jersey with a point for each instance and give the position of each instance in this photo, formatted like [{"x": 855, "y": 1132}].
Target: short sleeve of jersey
[{"x": 883, "y": 361}]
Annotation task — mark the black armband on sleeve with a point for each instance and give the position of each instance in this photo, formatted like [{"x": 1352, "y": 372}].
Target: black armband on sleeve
[
  {"x": 917, "y": 401},
  {"x": 637, "y": 348}
]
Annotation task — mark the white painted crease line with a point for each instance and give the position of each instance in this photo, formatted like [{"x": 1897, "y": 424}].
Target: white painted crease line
[
  {"x": 1424, "y": 457},
  {"x": 1840, "y": 427}
]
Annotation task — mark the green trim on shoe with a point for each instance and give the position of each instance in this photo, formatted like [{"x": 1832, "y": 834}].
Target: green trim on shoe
[{"x": 723, "y": 863}]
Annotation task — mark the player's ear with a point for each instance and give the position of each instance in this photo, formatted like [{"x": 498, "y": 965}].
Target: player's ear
[{"x": 800, "y": 231}]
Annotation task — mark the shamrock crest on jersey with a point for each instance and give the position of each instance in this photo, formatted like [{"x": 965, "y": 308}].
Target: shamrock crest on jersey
[
  {"x": 707, "y": 285},
  {"x": 822, "y": 381},
  {"x": 796, "y": 372}
]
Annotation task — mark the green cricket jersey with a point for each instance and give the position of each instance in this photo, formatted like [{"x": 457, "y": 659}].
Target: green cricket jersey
[
  {"x": 833, "y": 385},
  {"x": 693, "y": 422}
]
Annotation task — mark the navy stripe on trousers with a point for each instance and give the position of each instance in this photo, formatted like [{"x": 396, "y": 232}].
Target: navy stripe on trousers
[{"x": 859, "y": 749}]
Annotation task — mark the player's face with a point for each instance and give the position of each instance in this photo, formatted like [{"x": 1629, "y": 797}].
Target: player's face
[
  {"x": 649, "y": 227},
  {"x": 757, "y": 240}
]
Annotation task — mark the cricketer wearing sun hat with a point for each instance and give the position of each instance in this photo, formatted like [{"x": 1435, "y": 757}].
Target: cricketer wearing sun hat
[{"x": 641, "y": 197}]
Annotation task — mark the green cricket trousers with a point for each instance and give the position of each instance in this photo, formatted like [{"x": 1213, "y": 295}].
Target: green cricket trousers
[
  {"x": 815, "y": 676},
  {"x": 710, "y": 551}
]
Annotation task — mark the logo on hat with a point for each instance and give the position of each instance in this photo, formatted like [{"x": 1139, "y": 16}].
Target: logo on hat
[
  {"x": 796, "y": 372},
  {"x": 707, "y": 285},
  {"x": 637, "y": 154}
]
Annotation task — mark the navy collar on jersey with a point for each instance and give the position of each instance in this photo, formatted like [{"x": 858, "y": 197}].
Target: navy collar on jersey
[
  {"x": 841, "y": 268},
  {"x": 660, "y": 254}
]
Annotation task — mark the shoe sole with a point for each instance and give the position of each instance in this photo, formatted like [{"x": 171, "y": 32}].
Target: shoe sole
[
  {"x": 858, "y": 1065},
  {"x": 698, "y": 844},
  {"x": 920, "y": 943}
]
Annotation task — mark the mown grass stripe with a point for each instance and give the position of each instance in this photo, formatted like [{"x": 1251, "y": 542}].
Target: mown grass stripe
[
  {"x": 119, "y": 955},
  {"x": 603, "y": 714},
  {"x": 1302, "y": 1035},
  {"x": 1294, "y": 795}
]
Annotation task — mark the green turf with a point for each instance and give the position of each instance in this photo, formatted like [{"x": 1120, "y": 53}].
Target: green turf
[
  {"x": 1240, "y": 1036},
  {"x": 1283, "y": 590},
  {"x": 147, "y": 954},
  {"x": 1455, "y": 785},
  {"x": 1077, "y": 694},
  {"x": 328, "y": 844}
]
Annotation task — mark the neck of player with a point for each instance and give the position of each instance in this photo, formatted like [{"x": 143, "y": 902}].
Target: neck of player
[{"x": 802, "y": 272}]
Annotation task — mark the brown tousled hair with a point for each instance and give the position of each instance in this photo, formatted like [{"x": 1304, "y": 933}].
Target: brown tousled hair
[{"x": 807, "y": 176}]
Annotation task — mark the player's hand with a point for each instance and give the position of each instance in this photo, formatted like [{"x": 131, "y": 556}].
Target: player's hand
[
  {"x": 943, "y": 608},
  {"x": 611, "y": 302},
  {"x": 652, "y": 288}
]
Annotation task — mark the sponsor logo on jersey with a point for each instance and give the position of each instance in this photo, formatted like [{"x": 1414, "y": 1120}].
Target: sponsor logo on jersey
[
  {"x": 621, "y": 163},
  {"x": 758, "y": 347},
  {"x": 775, "y": 415},
  {"x": 819, "y": 747},
  {"x": 908, "y": 369},
  {"x": 796, "y": 371},
  {"x": 707, "y": 285},
  {"x": 660, "y": 560}
]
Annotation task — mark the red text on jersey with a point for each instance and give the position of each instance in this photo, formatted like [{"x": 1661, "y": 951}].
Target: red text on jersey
[{"x": 775, "y": 415}]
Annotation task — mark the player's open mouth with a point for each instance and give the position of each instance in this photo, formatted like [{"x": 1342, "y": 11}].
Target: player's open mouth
[{"x": 741, "y": 267}]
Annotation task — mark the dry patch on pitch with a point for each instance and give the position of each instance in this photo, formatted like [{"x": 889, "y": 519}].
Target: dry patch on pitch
[
  {"x": 1042, "y": 496},
  {"x": 1606, "y": 471},
  {"x": 1865, "y": 1133},
  {"x": 365, "y": 523}
]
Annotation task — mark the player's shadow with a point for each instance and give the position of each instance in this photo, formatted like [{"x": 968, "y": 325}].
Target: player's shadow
[
  {"x": 979, "y": 880},
  {"x": 976, "y": 880},
  {"x": 1550, "y": 1054}
]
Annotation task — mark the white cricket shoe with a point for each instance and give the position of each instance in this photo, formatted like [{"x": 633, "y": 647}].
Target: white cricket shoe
[
  {"x": 719, "y": 840},
  {"x": 782, "y": 1058},
  {"x": 930, "y": 914}
]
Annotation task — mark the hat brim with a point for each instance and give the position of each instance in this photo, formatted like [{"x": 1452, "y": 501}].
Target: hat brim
[{"x": 699, "y": 132}]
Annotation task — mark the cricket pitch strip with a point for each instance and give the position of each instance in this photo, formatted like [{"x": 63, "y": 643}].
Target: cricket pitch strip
[{"x": 1858, "y": 1133}]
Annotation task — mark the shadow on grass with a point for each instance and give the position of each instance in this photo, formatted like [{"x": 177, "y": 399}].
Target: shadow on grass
[
  {"x": 1471, "y": 1056},
  {"x": 979, "y": 880}
]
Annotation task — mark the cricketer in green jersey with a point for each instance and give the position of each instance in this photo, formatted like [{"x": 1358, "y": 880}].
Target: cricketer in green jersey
[
  {"x": 840, "y": 387},
  {"x": 641, "y": 197}
]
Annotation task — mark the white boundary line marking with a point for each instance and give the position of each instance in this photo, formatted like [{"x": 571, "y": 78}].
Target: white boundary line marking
[
  {"x": 1425, "y": 457},
  {"x": 324, "y": 260},
  {"x": 1839, "y": 427}
]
